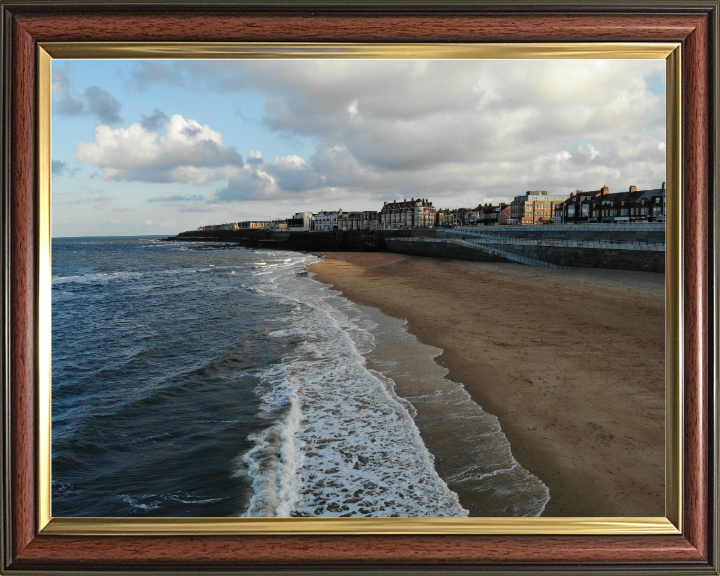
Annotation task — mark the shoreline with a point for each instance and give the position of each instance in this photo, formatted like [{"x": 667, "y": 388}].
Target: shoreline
[
  {"x": 570, "y": 362},
  {"x": 477, "y": 464}
]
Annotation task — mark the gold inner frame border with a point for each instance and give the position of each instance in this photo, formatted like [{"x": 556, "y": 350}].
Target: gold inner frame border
[{"x": 671, "y": 524}]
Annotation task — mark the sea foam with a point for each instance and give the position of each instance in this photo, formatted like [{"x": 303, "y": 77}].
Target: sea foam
[{"x": 345, "y": 444}]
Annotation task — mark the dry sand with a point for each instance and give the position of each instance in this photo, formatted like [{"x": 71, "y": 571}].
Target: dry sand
[{"x": 570, "y": 361}]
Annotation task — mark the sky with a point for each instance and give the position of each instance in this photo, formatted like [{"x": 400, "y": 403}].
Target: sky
[{"x": 158, "y": 147}]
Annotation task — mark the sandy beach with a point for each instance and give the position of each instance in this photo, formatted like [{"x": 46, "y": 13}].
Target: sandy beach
[{"x": 570, "y": 361}]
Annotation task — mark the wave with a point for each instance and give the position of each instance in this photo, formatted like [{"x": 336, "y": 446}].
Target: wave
[
  {"x": 345, "y": 444},
  {"x": 326, "y": 432},
  {"x": 95, "y": 278},
  {"x": 147, "y": 503}
]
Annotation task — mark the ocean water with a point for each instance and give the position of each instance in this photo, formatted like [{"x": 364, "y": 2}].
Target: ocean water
[{"x": 212, "y": 380}]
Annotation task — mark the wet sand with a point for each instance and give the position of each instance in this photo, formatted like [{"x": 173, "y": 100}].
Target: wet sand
[{"x": 570, "y": 361}]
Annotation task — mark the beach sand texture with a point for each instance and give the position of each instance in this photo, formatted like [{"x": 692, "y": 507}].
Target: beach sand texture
[{"x": 570, "y": 361}]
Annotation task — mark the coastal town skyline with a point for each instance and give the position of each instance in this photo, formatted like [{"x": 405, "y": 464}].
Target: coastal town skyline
[
  {"x": 157, "y": 147},
  {"x": 531, "y": 208}
]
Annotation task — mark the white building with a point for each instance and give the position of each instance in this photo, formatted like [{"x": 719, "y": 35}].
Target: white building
[
  {"x": 326, "y": 221},
  {"x": 301, "y": 222}
]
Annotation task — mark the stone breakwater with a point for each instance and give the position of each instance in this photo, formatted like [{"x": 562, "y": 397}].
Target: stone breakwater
[{"x": 640, "y": 248}]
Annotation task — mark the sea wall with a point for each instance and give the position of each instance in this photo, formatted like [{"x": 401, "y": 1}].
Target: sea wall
[
  {"x": 303, "y": 241},
  {"x": 366, "y": 240},
  {"x": 586, "y": 246},
  {"x": 439, "y": 249},
  {"x": 645, "y": 260},
  {"x": 648, "y": 260}
]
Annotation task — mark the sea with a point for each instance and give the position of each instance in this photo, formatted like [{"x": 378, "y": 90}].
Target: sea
[{"x": 212, "y": 380}]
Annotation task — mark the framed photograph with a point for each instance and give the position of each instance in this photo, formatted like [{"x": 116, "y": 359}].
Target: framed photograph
[{"x": 201, "y": 450}]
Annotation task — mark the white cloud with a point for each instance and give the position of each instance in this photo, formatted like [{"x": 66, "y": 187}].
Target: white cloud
[
  {"x": 230, "y": 171},
  {"x": 204, "y": 208},
  {"x": 588, "y": 151},
  {"x": 177, "y": 198},
  {"x": 183, "y": 154},
  {"x": 197, "y": 176},
  {"x": 250, "y": 183},
  {"x": 120, "y": 149},
  {"x": 97, "y": 198},
  {"x": 450, "y": 130}
]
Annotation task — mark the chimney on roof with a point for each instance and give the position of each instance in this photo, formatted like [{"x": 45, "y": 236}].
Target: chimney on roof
[
  {"x": 605, "y": 190},
  {"x": 663, "y": 186},
  {"x": 572, "y": 194},
  {"x": 384, "y": 203},
  {"x": 633, "y": 188}
]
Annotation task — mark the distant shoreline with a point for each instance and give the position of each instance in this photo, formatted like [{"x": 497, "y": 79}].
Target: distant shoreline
[{"x": 571, "y": 362}]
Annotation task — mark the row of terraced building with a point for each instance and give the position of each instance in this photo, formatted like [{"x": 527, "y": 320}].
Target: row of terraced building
[{"x": 533, "y": 207}]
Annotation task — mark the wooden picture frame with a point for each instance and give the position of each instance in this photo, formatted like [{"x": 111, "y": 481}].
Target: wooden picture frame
[{"x": 693, "y": 24}]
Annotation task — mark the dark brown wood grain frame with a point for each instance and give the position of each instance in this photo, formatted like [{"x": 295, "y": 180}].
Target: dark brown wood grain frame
[{"x": 692, "y": 23}]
